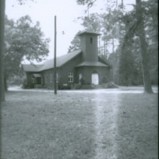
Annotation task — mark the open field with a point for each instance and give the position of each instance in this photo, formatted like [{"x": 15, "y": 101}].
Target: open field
[{"x": 91, "y": 124}]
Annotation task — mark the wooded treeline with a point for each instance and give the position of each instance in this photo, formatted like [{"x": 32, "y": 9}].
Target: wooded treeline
[{"x": 132, "y": 37}]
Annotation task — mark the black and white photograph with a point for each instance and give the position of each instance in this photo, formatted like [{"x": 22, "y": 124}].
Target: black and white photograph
[{"x": 78, "y": 79}]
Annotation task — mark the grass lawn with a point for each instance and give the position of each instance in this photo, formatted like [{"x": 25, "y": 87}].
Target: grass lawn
[
  {"x": 138, "y": 127},
  {"x": 79, "y": 125}
]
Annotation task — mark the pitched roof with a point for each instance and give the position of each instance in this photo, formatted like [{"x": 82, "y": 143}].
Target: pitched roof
[
  {"x": 31, "y": 67},
  {"x": 60, "y": 60},
  {"x": 88, "y": 32},
  {"x": 50, "y": 63}
]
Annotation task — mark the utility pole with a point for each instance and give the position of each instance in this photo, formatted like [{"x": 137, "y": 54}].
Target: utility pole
[
  {"x": 2, "y": 14},
  {"x": 55, "y": 83},
  {"x": 99, "y": 51}
]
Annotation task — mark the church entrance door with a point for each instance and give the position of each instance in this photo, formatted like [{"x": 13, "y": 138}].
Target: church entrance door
[{"x": 95, "y": 78}]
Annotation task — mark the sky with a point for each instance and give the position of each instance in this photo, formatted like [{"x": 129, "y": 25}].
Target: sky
[{"x": 66, "y": 11}]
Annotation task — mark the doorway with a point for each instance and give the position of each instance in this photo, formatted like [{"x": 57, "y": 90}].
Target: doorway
[{"x": 95, "y": 78}]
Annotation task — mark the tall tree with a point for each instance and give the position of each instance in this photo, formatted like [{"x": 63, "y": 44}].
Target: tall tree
[
  {"x": 2, "y": 13},
  {"x": 112, "y": 27},
  {"x": 23, "y": 40},
  {"x": 2, "y": 10},
  {"x": 151, "y": 30},
  {"x": 144, "y": 47},
  {"x": 92, "y": 22},
  {"x": 75, "y": 44},
  {"x": 129, "y": 66},
  {"x": 136, "y": 27}
]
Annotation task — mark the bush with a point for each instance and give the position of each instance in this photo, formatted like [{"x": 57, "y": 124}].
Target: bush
[
  {"x": 110, "y": 85},
  {"x": 64, "y": 86}
]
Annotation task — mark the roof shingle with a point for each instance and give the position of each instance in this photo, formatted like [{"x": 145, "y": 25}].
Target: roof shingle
[{"x": 50, "y": 63}]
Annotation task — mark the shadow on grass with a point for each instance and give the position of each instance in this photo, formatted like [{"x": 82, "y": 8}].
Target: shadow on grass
[
  {"x": 137, "y": 127},
  {"x": 41, "y": 125},
  {"x": 38, "y": 125}
]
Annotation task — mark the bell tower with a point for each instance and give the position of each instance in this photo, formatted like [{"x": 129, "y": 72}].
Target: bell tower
[{"x": 89, "y": 46}]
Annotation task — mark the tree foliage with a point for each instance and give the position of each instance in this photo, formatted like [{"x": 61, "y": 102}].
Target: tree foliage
[
  {"x": 75, "y": 44},
  {"x": 23, "y": 40},
  {"x": 136, "y": 32},
  {"x": 21, "y": 2},
  {"x": 89, "y": 3},
  {"x": 92, "y": 22},
  {"x": 129, "y": 66},
  {"x": 2, "y": 21}
]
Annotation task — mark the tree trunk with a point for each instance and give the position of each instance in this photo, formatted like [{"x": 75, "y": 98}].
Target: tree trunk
[
  {"x": 144, "y": 48},
  {"x": 2, "y": 13}
]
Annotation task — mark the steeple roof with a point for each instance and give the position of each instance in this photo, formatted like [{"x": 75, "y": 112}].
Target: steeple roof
[{"x": 88, "y": 32}]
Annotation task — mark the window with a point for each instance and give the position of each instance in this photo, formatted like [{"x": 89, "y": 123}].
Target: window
[
  {"x": 47, "y": 77},
  {"x": 70, "y": 77},
  {"x": 80, "y": 76},
  {"x": 38, "y": 80},
  {"x": 80, "y": 79},
  {"x": 33, "y": 80},
  {"x": 57, "y": 77},
  {"x": 51, "y": 77},
  {"x": 95, "y": 78},
  {"x": 91, "y": 40}
]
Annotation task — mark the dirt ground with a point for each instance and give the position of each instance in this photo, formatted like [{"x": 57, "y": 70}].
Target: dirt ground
[{"x": 94, "y": 124}]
